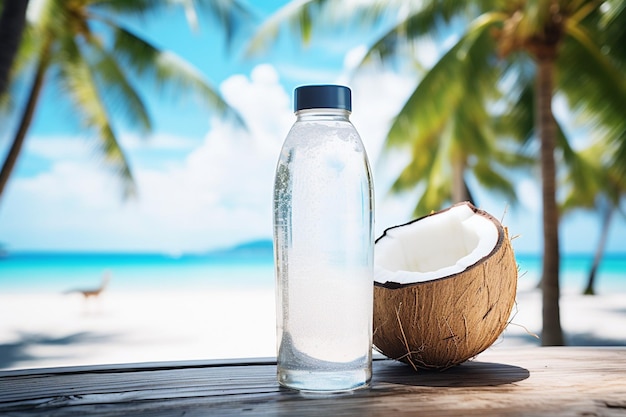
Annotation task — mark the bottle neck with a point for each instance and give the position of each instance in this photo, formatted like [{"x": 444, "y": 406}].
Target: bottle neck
[{"x": 322, "y": 114}]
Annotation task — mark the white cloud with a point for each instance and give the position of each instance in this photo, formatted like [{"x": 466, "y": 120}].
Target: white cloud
[
  {"x": 70, "y": 181},
  {"x": 59, "y": 147},
  {"x": 220, "y": 194},
  {"x": 160, "y": 141}
]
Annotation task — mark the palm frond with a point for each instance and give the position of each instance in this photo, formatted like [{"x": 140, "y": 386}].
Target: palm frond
[
  {"x": 446, "y": 121},
  {"x": 612, "y": 26},
  {"x": 444, "y": 87},
  {"x": 139, "y": 8},
  {"x": 422, "y": 163},
  {"x": 596, "y": 91},
  {"x": 22, "y": 66},
  {"x": 438, "y": 188},
  {"x": 116, "y": 85},
  {"x": 494, "y": 181},
  {"x": 603, "y": 66},
  {"x": 586, "y": 178},
  {"x": 582, "y": 178},
  {"x": 297, "y": 15},
  {"x": 517, "y": 119},
  {"x": 229, "y": 14},
  {"x": 76, "y": 78},
  {"x": 169, "y": 71},
  {"x": 29, "y": 49}
]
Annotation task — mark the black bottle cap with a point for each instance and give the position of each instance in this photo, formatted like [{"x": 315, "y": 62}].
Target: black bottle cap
[{"x": 322, "y": 97}]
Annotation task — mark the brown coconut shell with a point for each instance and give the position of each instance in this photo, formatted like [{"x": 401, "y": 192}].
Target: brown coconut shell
[{"x": 441, "y": 323}]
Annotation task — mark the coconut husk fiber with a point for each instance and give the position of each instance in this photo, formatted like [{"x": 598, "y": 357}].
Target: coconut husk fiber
[{"x": 441, "y": 323}]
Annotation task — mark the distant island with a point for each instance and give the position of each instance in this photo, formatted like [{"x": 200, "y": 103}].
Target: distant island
[{"x": 253, "y": 247}]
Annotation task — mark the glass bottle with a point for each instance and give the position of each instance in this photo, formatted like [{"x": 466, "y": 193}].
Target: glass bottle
[{"x": 323, "y": 247}]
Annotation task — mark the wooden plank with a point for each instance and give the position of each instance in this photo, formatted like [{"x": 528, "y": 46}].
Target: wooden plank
[
  {"x": 538, "y": 381},
  {"x": 132, "y": 367}
]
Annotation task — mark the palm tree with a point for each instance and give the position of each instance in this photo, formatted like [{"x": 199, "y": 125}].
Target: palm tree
[
  {"x": 450, "y": 134},
  {"x": 97, "y": 62},
  {"x": 540, "y": 46},
  {"x": 12, "y": 20},
  {"x": 592, "y": 185}
]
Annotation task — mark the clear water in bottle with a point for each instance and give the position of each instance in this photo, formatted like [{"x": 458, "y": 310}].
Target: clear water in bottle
[{"x": 323, "y": 234}]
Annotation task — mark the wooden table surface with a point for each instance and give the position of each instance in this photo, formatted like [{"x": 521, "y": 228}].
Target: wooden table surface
[{"x": 564, "y": 381}]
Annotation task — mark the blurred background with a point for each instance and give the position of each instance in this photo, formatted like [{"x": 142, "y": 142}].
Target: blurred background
[{"x": 139, "y": 141}]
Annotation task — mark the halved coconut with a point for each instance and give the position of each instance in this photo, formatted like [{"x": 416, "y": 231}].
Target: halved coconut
[{"x": 444, "y": 289}]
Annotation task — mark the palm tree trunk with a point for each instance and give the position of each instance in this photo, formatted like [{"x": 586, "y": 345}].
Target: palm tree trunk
[
  {"x": 604, "y": 234},
  {"x": 552, "y": 334},
  {"x": 459, "y": 187},
  {"x": 27, "y": 117},
  {"x": 12, "y": 20}
]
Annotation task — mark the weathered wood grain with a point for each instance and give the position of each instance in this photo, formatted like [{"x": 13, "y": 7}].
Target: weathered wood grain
[{"x": 529, "y": 382}]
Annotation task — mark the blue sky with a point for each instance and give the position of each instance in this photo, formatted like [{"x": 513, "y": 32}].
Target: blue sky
[{"x": 205, "y": 184}]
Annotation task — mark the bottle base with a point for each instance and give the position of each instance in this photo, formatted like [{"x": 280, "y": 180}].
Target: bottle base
[{"x": 324, "y": 382}]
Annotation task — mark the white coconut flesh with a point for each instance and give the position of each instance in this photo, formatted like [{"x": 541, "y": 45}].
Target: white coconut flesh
[{"x": 434, "y": 247}]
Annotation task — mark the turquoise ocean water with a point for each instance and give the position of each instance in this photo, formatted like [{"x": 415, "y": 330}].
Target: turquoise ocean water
[
  {"x": 610, "y": 277},
  {"x": 249, "y": 266},
  {"x": 243, "y": 267}
]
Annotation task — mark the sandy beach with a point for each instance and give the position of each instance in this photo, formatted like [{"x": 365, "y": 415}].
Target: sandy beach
[{"x": 44, "y": 330}]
